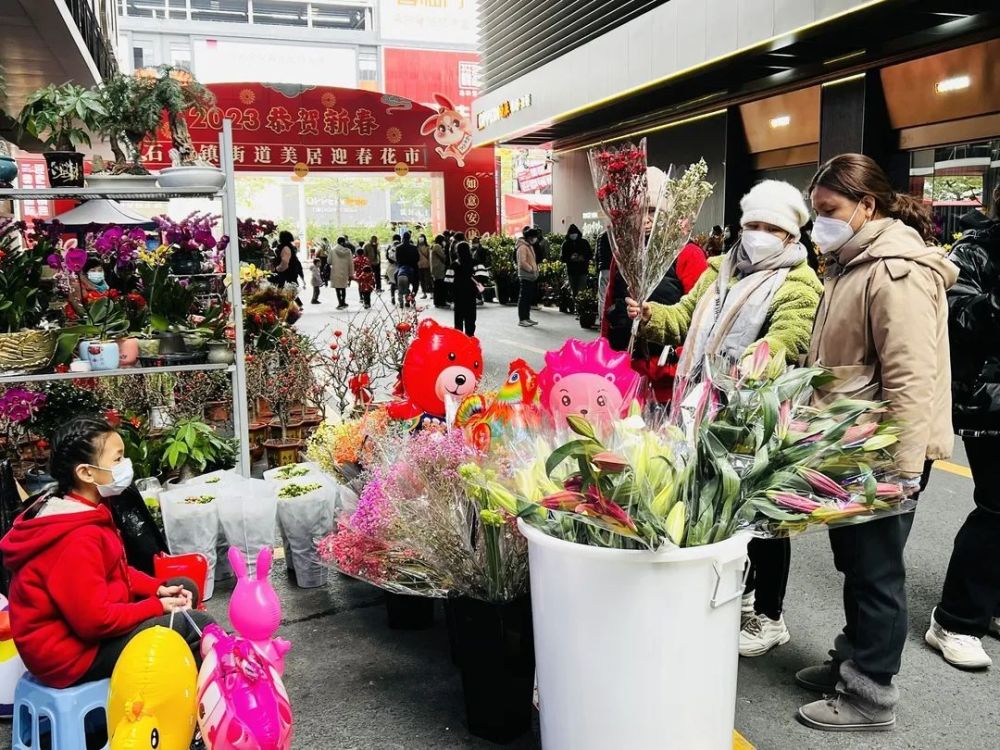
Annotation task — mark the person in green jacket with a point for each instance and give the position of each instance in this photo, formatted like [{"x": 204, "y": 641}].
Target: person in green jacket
[{"x": 762, "y": 290}]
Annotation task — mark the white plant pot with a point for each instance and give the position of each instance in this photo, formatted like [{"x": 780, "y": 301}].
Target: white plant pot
[
  {"x": 123, "y": 181},
  {"x": 635, "y": 649},
  {"x": 210, "y": 178}
]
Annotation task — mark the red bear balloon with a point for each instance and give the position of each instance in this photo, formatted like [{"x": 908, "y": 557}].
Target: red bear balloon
[{"x": 441, "y": 362}]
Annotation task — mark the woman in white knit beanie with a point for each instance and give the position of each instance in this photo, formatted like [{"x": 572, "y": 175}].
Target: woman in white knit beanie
[{"x": 762, "y": 290}]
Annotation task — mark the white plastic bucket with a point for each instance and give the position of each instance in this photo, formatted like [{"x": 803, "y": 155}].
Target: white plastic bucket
[{"x": 635, "y": 649}]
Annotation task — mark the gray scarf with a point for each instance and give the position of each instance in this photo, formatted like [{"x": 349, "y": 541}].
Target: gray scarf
[{"x": 729, "y": 318}]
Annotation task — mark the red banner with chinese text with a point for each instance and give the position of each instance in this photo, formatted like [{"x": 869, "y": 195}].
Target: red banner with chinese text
[{"x": 331, "y": 129}]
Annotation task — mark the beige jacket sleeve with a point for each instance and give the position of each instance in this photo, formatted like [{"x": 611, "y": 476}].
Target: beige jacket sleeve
[{"x": 903, "y": 318}]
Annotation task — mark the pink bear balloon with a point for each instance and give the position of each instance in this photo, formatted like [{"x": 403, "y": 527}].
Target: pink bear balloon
[
  {"x": 255, "y": 610},
  {"x": 588, "y": 379},
  {"x": 242, "y": 703}
]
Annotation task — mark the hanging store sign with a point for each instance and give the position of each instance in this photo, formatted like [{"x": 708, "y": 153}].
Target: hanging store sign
[
  {"x": 329, "y": 129},
  {"x": 502, "y": 111}
]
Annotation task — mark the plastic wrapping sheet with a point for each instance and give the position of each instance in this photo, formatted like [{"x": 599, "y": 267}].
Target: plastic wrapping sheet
[
  {"x": 247, "y": 513},
  {"x": 304, "y": 520},
  {"x": 193, "y": 527}
]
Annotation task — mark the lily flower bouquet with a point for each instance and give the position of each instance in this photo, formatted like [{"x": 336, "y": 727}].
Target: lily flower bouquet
[{"x": 755, "y": 456}]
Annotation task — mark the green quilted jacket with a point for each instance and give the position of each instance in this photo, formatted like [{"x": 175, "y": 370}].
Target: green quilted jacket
[{"x": 789, "y": 323}]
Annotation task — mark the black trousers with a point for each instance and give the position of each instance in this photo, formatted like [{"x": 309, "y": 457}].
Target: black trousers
[
  {"x": 377, "y": 268},
  {"x": 440, "y": 293},
  {"x": 971, "y": 594},
  {"x": 341, "y": 297},
  {"x": 465, "y": 315},
  {"x": 770, "y": 561},
  {"x": 315, "y": 294},
  {"x": 366, "y": 299},
  {"x": 870, "y": 555},
  {"x": 528, "y": 291},
  {"x": 111, "y": 648},
  {"x": 577, "y": 282}
]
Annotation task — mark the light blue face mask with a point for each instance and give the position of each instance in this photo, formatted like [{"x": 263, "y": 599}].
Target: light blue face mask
[{"x": 97, "y": 279}]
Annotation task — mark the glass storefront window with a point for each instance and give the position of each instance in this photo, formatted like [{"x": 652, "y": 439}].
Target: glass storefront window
[
  {"x": 957, "y": 182},
  {"x": 230, "y": 11}
]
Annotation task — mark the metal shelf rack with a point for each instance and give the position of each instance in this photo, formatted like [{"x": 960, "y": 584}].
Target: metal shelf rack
[{"x": 227, "y": 195}]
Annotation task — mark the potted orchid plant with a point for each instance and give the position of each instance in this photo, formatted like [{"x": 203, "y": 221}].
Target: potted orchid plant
[{"x": 26, "y": 345}]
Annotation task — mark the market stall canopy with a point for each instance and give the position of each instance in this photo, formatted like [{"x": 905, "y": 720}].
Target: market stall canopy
[{"x": 103, "y": 212}]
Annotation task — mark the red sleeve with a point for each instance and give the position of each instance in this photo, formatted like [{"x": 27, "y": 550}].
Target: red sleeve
[
  {"x": 143, "y": 585},
  {"x": 78, "y": 586},
  {"x": 691, "y": 264}
]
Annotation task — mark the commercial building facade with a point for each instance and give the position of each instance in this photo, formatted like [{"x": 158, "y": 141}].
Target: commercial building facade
[{"x": 759, "y": 88}]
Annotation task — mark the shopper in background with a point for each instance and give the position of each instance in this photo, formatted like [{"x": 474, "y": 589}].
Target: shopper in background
[
  {"x": 323, "y": 253},
  {"x": 970, "y": 600},
  {"x": 466, "y": 283},
  {"x": 373, "y": 254},
  {"x": 576, "y": 254},
  {"x": 407, "y": 263},
  {"x": 391, "y": 267},
  {"x": 527, "y": 273},
  {"x": 762, "y": 290},
  {"x": 439, "y": 269},
  {"x": 882, "y": 331},
  {"x": 286, "y": 263},
  {"x": 341, "y": 271},
  {"x": 424, "y": 266},
  {"x": 542, "y": 247},
  {"x": 480, "y": 256},
  {"x": 604, "y": 258},
  {"x": 316, "y": 278},
  {"x": 716, "y": 244},
  {"x": 365, "y": 277}
]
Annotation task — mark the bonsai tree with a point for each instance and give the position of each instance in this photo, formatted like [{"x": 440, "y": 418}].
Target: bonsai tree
[
  {"x": 177, "y": 91},
  {"x": 64, "y": 113},
  {"x": 290, "y": 379},
  {"x": 132, "y": 112}
]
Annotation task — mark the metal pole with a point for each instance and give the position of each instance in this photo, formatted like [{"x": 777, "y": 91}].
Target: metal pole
[{"x": 241, "y": 416}]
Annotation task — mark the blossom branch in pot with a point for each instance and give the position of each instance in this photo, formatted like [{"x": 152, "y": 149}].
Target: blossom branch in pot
[
  {"x": 289, "y": 383},
  {"x": 65, "y": 113}
]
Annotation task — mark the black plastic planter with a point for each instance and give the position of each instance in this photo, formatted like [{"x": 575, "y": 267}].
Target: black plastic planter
[
  {"x": 65, "y": 168},
  {"x": 405, "y": 612},
  {"x": 497, "y": 659}
]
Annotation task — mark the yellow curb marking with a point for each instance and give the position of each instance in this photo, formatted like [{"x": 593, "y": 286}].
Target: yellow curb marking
[{"x": 962, "y": 471}]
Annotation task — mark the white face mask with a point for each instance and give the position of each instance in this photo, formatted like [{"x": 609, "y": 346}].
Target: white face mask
[
  {"x": 121, "y": 479},
  {"x": 761, "y": 245},
  {"x": 574, "y": 237},
  {"x": 832, "y": 234}
]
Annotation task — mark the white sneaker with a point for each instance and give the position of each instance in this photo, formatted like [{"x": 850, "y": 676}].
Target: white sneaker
[
  {"x": 760, "y": 634},
  {"x": 962, "y": 651},
  {"x": 747, "y": 608},
  {"x": 995, "y": 627}
]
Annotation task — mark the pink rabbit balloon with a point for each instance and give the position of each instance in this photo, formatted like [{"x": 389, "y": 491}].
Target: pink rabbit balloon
[
  {"x": 255, "y": 610},
  {"x": 242, "y": 703}
]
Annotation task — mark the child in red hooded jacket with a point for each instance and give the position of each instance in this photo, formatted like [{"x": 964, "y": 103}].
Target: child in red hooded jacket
[{"x": 74, "y": 601}]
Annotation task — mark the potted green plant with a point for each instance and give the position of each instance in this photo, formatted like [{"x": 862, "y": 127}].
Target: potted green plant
[
  {"x": 132, "y": 113},
  {"x": 105, "y": 323},
  {"x": 214, "y": 329},
  {"x": 586, "y": 307},
  {"x": 190, "y": 446},
  {"x": 63, "y": 114},
  {"x": 178, "y": 93},
  {"x": 26, "y": 343}
]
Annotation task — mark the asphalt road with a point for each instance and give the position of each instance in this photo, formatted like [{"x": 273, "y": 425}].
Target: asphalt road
[{"x": 356, "y": 685}]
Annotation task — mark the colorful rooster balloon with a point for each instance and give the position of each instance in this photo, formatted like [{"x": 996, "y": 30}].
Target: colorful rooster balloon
[
  {"x": 152, "y": 702},
  {"x": 513, "y": 409},
  {"x": 242, "y": 703}
]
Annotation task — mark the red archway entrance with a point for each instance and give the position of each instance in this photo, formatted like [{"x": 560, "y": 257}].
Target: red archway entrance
[{"x": 327, "y": 129}]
